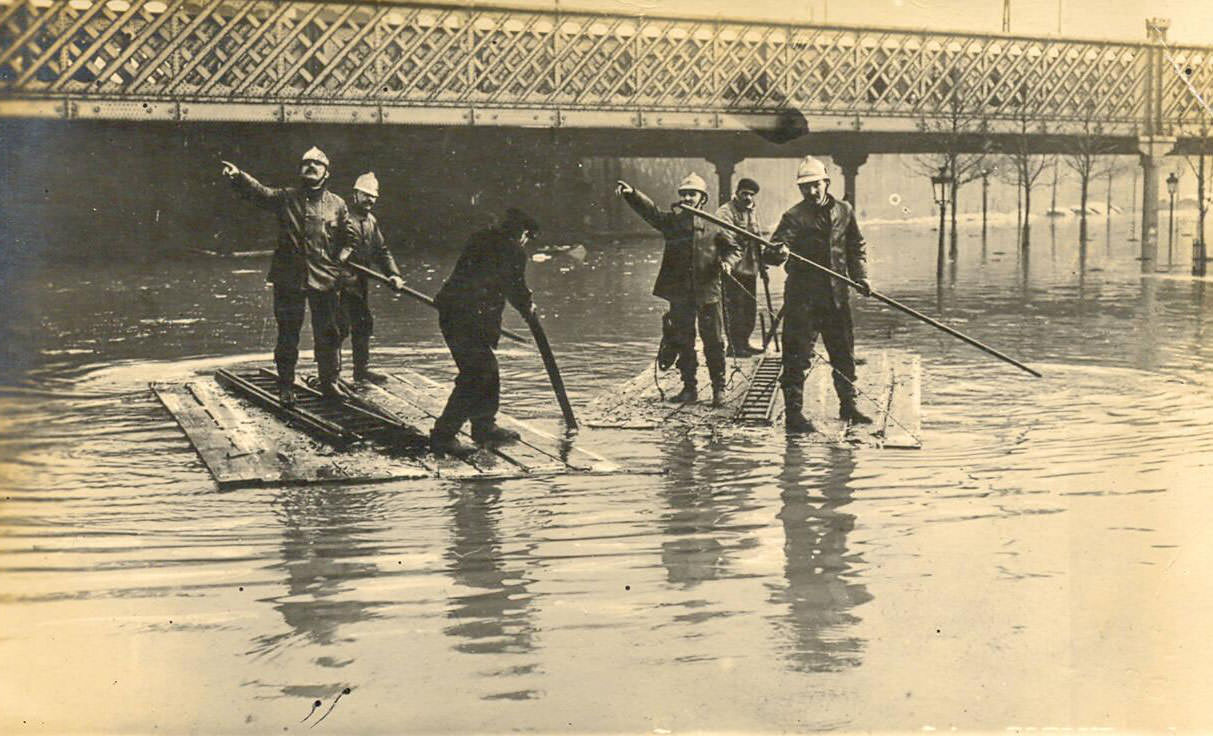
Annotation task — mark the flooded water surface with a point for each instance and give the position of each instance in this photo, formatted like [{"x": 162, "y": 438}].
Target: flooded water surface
[{"x": 1042, "y": 561}]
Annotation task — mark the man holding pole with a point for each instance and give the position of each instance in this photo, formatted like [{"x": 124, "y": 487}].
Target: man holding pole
[
  {"x": 312, "y": 226},
  {"x": 365, "y": 247},
  {"x": 490, "y": 272},
  {"x": 821, "y": 229},
  {"x": 740, "y": 287},
  {"x": 689, "y": 280}
]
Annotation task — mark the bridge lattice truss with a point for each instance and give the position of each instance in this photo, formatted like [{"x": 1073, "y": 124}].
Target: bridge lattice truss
[{"x": 383, "y": 62}]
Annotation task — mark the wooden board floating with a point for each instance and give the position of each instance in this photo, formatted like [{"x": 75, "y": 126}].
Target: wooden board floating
[
  {"x": 889, "y": 383},
  {"x": 243, "y": 443}
]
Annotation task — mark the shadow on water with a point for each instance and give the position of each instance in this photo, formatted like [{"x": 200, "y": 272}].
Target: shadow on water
[
  {"x": 328, "y": 542},
  {"x": 819, "y": 591},
  {"x": 491, "y": 611}
]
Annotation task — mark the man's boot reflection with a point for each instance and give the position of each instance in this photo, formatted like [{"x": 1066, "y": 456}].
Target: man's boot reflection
[
  {"x": 328, "y": 546},
  {"x": 495, "y": 617},
  {"x": 819, "y": 592},
  {"x": 699, "y": 524}
]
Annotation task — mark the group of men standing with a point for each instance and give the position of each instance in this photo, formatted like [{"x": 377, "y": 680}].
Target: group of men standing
[
  {"x": 320, "y": 237},
  {"x": 318, "y": 233},
  {"x": 708, "y": 275}
]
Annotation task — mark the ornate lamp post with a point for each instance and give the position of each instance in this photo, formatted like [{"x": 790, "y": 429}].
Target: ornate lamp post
[
  {"x": 1172, "y": 185},
  {"x": 940, "y": 185},
  {"x": 986, "y": 171}
]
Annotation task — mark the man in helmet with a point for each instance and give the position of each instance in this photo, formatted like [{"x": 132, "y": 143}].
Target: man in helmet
[
  {"x": 821, "y": 229},
  {"x": 365, "y": 246},
  {"x": 740, "y": 287},
  {"x": 312, "y": 227},
  {"x": 689, "y": 279},
  {"x": 490, "y": 272}
]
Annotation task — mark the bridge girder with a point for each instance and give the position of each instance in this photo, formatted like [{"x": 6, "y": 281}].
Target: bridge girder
[{"x": 422, "y": 64}]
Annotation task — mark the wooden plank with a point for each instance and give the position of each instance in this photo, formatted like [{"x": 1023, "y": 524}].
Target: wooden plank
[
  {"x": 905, "y": 410},
  {"x": 208, "y": 439},
  {"x": 545, "y": 450},
  {"x": 482, "y": 464},
  {"x": 429, "y": 396}
]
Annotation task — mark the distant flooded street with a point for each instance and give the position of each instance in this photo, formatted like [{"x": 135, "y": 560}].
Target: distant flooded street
[{"x": 1042, "y": 561}]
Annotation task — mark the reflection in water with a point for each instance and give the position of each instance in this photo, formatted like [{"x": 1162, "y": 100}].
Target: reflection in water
[
  {"x": 820, "y": 593},
  {"x": 702, "y": 497},
  {"x": 495, "y": 617},
  {"x": 327, "y": 537}
]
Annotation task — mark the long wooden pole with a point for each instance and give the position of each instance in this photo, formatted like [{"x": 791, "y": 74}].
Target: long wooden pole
[
  {"x": 424, "y": 298},
  {"x": 855, "y": 285},
  {"x": 549, "y": 364},
  {"x": 541, "y": 342}
]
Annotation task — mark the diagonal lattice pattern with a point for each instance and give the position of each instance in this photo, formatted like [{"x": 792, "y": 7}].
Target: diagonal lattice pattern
[{"x": 413, "y": 55}]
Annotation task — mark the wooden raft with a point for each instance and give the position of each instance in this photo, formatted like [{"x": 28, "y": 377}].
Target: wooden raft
[
  {"x": 245, "y": 445},
  {"x": 889, "y": 385}
]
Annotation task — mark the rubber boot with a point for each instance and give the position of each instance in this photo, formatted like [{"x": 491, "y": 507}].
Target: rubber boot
[
  {"x": 688, "y": 394},
  {"x": 849, "y": 414},
  {"x": 448, "y": 444},
  {"x": 795, "y": 422},
  {"x": 361, "y": 347},
  {"x": 493, "y": 434},
  {"x": 718, "y": 396},
  {"x": 286, "y": 394}
]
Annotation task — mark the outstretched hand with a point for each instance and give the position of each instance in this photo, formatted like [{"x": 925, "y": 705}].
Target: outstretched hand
[
  {"x": 622, "y": 188},
  {"x": 230, "y": 170}
]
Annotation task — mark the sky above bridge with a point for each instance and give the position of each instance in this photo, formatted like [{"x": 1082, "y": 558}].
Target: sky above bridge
[{"x": 1191, "y": 20}]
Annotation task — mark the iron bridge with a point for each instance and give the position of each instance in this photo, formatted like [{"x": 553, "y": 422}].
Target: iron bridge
[{"x": 428, "y": 64}]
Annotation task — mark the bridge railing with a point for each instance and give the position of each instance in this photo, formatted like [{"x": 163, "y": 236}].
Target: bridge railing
[{"x": 434, "y": 56}]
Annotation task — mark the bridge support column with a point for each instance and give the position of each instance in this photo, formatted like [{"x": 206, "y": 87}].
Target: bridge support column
[
  {"x": 724, "y": 176},
  {"x": 850, "y": 162},
  {"x": 1153, "y": 149}
]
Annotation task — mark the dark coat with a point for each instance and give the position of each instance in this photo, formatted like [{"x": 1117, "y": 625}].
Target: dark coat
[
  {"x": 367, "y": 249},
  {"x": 804, "y": 226},
  {"x": 691, "y": 263},
  {"x": 311, "y": 232},
  {"x": 746, "y": 219},
  {"x": 490, "y": 271}
]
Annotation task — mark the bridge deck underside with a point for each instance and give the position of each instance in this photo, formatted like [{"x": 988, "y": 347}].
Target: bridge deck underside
[{"x": 448, "y": 65}]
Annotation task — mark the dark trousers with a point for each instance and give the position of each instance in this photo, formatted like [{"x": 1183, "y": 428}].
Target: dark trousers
[
  {"x": 684, "y": 316},
  {"x": 802, "y": 323},
  {"x": 740, "y": 308},
  {"x": 289, "y": 306},
  {"x": 477, "y": 392},
  {"x": 357, "y": 323}
]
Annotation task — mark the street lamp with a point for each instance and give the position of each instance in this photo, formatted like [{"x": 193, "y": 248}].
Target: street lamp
[
  {"x": 986, "y": 171},
  {"x": 1172, "y": 185},
  {"x": 939, "y": 185}
]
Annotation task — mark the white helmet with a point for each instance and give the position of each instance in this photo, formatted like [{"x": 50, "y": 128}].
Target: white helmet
[
  {"x": 315, "y": 154},
  {"x": 693, "y": 183},
  {"x": 810, "y": 170},
  {"x": 368, "y": 184}
]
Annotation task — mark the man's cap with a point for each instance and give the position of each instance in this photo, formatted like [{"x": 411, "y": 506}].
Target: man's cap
[
  {"x": 516, "y": 219},
  {"x": 368, "y": 184},
  {"x": 315, "y": 154},
  {"x": 747, "y": 184}
]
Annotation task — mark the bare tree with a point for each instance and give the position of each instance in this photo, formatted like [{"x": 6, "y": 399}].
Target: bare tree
[
  {"x": 1023, "y": 168},
  {"x": 1089, "y": 154},
  {"x": 955, "y": 132}
]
